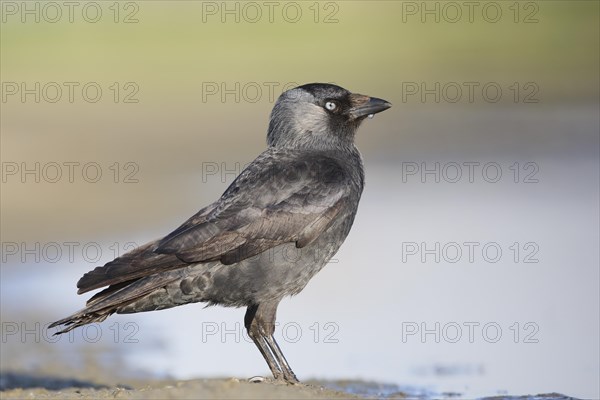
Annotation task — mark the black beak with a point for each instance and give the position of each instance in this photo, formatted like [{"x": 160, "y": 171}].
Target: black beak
[{"x": 368, "y": 106}]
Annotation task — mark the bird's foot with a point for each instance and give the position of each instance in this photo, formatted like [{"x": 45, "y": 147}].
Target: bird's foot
[{"x": 290, "y": 377}]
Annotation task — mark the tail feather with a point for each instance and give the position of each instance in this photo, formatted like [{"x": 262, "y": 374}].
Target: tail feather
[
  {"x": 115, "y": 298},
  {"x": 79, "y": 319}
]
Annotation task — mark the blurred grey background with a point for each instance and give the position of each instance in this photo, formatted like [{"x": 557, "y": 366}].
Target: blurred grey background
[{"x": 473, "y": 262}]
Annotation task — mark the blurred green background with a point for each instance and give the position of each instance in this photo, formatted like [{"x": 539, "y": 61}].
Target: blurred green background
[{"x": 177, "y": 47}]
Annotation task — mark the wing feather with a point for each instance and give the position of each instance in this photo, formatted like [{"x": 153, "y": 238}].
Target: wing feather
[
  {"x": 293, "y": 201},
  {"x": 277, "y": 199}
]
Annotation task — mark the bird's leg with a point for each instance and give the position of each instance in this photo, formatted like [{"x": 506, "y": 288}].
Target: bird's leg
[
  {"x": 255, "y": 327},
  {"x": 266, "y": 353},
  {"x": 288, "y": 374},
  {"x": 260, "y": 322}
]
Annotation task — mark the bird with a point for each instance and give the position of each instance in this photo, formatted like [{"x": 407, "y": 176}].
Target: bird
[{"x": 276, "y": 226}]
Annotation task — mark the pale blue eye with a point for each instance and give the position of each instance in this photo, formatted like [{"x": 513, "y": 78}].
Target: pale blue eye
[{"x": 330, "y": 105}]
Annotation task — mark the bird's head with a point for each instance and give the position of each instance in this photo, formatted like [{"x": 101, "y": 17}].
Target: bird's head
[{"x": 319, "y": 115}]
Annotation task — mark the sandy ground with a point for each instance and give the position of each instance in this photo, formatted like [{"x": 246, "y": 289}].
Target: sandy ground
[
  {"x": 22, "y": 386},
  {"x": 26, "y": 386}
]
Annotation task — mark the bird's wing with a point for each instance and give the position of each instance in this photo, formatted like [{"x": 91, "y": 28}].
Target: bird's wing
[{"x": 277, "y": 199}]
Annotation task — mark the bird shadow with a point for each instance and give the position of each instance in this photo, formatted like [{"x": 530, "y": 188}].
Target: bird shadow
[{"x": 20, "y": 380}]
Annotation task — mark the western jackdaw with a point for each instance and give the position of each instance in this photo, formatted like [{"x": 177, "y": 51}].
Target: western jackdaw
[{"x": 273, "y": 229}]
